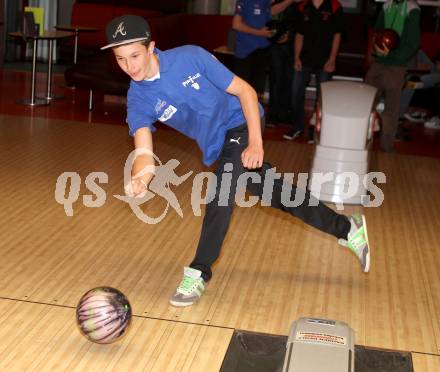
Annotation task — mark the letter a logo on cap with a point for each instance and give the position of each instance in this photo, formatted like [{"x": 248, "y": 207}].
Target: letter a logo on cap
[
  {"x": 126, "y": 29},
  {"x": 120, "y": 29}
]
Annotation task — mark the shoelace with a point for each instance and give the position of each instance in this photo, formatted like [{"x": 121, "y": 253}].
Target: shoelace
[
  {"x": 357, "y": 240},
  {"x": 187, "y": 284}
]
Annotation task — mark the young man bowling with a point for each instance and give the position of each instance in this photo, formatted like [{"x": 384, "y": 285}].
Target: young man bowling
[{"x": 189, "y": 90}]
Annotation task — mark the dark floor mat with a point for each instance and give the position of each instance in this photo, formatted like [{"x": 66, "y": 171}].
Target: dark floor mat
[{"x": 256, "y": 352}]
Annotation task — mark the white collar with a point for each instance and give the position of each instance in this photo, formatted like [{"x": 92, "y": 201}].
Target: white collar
[{"x": 155, "y": 77}]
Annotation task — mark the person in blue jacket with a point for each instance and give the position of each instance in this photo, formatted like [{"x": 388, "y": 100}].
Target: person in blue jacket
[{"x": 189, "y": 90}]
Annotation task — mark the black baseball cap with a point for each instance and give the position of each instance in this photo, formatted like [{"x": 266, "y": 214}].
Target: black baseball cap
[{"x": 126, "y": 29}]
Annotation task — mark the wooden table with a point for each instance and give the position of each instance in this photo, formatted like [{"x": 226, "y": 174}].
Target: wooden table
[
  {"x": 76, "y": 30},
  {"x": 50, "y": 36}
]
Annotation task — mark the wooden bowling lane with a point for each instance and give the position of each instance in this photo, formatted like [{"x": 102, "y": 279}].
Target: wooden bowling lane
[
  {"x": 425, "y": 362},
  {"x": 37, "y": 337},
  {"x": 273, "y": 269}
]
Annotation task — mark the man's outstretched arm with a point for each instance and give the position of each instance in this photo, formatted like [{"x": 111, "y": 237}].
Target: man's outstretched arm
[
  {"x": 140, "y": 177},
  {"x": 252, "y": 156}
]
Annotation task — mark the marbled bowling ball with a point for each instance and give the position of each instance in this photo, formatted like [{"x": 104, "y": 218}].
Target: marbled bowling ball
[
  {"x": 103, "y": 315},
  {"x": 387, "y": 37}
]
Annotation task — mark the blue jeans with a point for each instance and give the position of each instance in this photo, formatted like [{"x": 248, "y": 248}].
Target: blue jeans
[
  {"x": 300, "y": 81},
  {"x": 428, "y": 81}
]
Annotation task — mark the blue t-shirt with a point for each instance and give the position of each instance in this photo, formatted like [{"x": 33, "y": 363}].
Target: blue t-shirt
[
  {"x": 190, "y": 97},
  {"x": 255, "y": 13}
]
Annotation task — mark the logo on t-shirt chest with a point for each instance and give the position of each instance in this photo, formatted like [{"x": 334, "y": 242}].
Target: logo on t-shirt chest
[
  {"x": 160, "y": 104},
  {"x": 168, "y": 113},
  {"x": 192, "y": 81}
]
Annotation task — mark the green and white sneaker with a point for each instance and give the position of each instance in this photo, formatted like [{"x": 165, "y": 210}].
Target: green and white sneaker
[
  {"x": 357, "y": 240},
  {"x": 190, "y": 288}
]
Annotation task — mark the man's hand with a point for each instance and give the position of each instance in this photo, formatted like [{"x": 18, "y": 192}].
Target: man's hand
[
  {"x": 297, "y": 64},
  {"x": 330, "y": 66},
  {"x": 265, "y": 32},
  {"x": 283, "y": 39},
  {"x": 142, "y": 174},
  {"x": 138, "y": 186},
  {"x": 381, "y": 51},
  {"x": 142, "y": 168},
  {"x": 252, "y": 157}
]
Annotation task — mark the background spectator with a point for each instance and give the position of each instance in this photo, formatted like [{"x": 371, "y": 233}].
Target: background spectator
[
  {"x": 388, "y": 69},
  {"x": 316, "y": 46},
  {"x": 252, "y": 44}
]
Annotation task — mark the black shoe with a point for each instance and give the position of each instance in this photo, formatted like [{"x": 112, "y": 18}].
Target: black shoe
[{"x": 310, "y": 134}]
